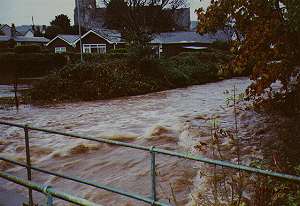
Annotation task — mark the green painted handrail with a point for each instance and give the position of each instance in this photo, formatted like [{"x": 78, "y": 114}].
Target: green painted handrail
[
  {"x": 47, "y": 190},
  {"x": 87, "y": 182}
]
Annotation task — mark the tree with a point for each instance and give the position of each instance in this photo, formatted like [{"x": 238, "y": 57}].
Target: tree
[
  {"x": 53, "y": 31},
  {"x": 63, "y": 22},
  {"x": 268, "y": 38},
  {"x": 138, "y": 20},
  {"x": 60, "y": 25}
]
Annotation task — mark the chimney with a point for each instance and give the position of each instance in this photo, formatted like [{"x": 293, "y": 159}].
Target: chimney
[{"x": 13, "y": 32}]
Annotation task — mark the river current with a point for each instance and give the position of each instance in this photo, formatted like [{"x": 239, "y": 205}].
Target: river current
[{"x": 176, "y": 120}]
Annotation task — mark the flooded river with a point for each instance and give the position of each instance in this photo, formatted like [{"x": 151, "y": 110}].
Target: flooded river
[{"x": 175, "y": 120}]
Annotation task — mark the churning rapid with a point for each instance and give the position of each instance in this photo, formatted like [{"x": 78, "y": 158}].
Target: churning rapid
[{"x": 173, "y": 120}]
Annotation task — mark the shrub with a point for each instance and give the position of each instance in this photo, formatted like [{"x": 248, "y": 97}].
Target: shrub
[
  {"x": 31, "y": 65},
  {"x": 27, "y": 49},
  {"x": 222, "y": 45},
  {"x": 114, "y": 77},
  {"x": 119, "y": 50}
]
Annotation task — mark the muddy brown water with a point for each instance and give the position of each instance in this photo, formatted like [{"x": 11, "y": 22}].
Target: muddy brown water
[{"x": 175, "y": 120}]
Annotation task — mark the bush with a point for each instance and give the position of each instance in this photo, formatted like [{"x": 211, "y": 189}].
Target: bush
[
  {"x": 120, "y": 77},
  {"x": 31, "y": 65},
  {"x": 119, "y": 50},
  {"x": 222, "y": 45},
  {"x": 27, "y": 49},
  {"x": 6, "y": 50},
  {"x": 92, "y": 81}
]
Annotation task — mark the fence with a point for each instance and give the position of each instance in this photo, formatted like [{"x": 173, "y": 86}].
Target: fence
[{"x": 153, "y": 200}]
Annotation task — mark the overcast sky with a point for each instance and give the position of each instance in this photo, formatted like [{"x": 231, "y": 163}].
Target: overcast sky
[{"x": 43, "y": 11}]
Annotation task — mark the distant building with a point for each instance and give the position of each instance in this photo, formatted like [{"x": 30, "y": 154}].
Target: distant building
[
  {"x": 20, "y": 37},
  {"x": 93, "y": 41},
  {"x": 93, "y": 17},
  {"x": 173, "y": 43}
]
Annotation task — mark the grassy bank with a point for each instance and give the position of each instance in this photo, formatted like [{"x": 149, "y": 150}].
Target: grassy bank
[{"x": 120, "y": 76}]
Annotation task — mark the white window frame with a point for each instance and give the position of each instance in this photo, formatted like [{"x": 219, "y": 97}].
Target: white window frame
[
  {"x": 59, "y": 50},
  {"x": 101, "y": 48}
]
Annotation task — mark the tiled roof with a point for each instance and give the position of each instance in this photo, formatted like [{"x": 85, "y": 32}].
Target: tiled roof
[
  {"x": 24, "y": 29},
  {"x": 4, "y": 38},
  {"x": 25, "y": 39},
  {"x": 71, "y": 39},
  {"x": 189, "y": 37},
  {"x": 31, "y": 39},
  {"x": 112, "y": 35}
]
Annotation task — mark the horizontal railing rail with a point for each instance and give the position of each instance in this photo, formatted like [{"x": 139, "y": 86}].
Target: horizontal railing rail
[
  {"x": 152, "y": 150},
  {"x": 46, "y": 190}
]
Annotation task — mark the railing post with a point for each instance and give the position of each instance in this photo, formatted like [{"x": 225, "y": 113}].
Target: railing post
[
  {"x": 153, "y": 176},
  {"x": 28, "y": 162},
  {"x": 49, "y": 198}
]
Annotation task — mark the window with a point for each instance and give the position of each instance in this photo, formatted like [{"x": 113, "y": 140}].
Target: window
[
  {"x": 94, "y": 48},
  {"x": 59, "y": 50}
]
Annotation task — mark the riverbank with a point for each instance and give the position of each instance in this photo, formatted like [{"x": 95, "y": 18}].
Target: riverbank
[{"x": 130, "y": 76}]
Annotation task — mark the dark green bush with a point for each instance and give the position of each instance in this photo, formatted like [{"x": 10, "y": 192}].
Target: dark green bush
[
  {"x": 6, "y": 50},
  {"x": 222, "y": 45},
  {"x": 31, "y": 65},
  {"x": 119, "y": 50},
  {"x": 120, "y": 77},
  {"x": 27, "y": 49}
]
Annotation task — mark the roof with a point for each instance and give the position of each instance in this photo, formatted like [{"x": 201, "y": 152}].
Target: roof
[
  {"x": 4, "y": 38},
  {"x": 25, "y": 39},
  {"x": 110, "y": 36},
  {"x": 6, "y": 29},
  {"x": 24, "y": 29},
  {"x": 69, "y": 39},
  {"x": 189, "y": 37},
  {"x": 113, "y": 36},
  {"x": 31, "y": 39}
]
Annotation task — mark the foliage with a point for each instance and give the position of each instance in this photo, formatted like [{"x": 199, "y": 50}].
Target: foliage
[
  {"x": 28, "y": 49},
  {"x": 62, "y": 21},
  {"x": 60, "y": 25},
  {"x": 53, "y": 31},
  {"x": 268, "y": 38},
  {"x": 137, "y": 73},
  {"x": 138, "y": 20},
  {"x": 222, "y": 45},
  {"x": 30, "y": 64},
  {"x": 119, "y": 50}
]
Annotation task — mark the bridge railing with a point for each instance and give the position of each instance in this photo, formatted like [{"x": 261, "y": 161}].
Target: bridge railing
[{"x": 152, "y": 200}]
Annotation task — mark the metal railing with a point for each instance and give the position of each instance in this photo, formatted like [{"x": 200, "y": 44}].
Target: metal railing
[
  {"x": 47, "y": 190},
  {"x": 153, "y": 200}
]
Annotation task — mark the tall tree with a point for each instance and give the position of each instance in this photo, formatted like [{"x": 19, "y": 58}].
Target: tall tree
[
  {"x": 268, "y": 38},
  {"x": 63, "y": 22},
  {"x": 60, "y": 25}
]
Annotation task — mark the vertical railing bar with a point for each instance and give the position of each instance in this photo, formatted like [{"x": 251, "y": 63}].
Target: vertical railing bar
[
  {"x": 153, "y": 175},
  {"x": 28, "y": 163}
]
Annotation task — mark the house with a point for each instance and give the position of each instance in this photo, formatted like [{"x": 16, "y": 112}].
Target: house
[
  {"x": 21, "y": 38},
  {"x": 172, "y": 43},
  {"x": 93, "y": 41}
]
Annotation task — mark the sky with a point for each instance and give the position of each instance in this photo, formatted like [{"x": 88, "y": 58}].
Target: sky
[{"x": 20, "y": 12}]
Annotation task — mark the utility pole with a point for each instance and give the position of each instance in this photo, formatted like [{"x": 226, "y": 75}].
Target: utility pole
[{"x": 79, "y": 28}]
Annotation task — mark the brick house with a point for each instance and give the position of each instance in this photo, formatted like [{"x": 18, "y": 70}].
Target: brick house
[{"x": 92, "y": 42}]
